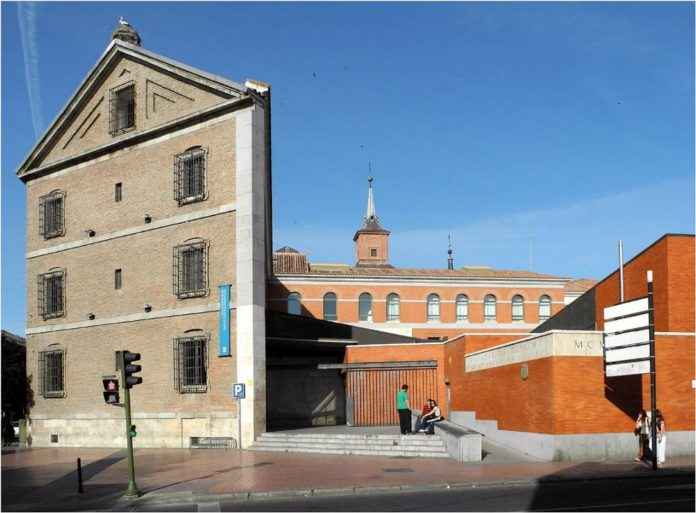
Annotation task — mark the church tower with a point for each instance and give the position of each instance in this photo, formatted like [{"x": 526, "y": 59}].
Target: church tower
[{"x": 371, "y": 240}]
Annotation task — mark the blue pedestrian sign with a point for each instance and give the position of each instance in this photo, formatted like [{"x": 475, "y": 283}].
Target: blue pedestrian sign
[{"x": 239, "y": 391}]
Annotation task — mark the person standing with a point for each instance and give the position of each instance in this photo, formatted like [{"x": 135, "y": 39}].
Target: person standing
[
  {"x": 643, "y": 432},
  {"x": 404, "y": 410},
  {"x": 661, "y": 437}
]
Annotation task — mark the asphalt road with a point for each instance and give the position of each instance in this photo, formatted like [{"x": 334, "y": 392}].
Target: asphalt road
[{"x": 638, "y": 494}]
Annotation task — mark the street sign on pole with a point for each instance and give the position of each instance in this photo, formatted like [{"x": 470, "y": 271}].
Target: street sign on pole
[
  {"x": 627, "y": 338},
  {"x": 239, "y": 393},
  {"x": 629, "y": 346}
]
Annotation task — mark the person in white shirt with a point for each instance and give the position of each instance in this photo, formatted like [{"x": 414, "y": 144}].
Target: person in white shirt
[{"x": 431, "y": 418}]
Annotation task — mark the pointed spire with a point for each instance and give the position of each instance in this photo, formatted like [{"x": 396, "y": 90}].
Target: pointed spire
[
  {"x": 370, "y": 214},
  {"x": 450, "y": 258}
]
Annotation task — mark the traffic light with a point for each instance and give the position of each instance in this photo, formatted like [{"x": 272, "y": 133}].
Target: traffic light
[
  {"x": 110, "y": 390},
  {"x": 130, "y": 369}
]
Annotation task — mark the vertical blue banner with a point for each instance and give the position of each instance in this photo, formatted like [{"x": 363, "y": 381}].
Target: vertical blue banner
[{"x": 224, "y": 318}]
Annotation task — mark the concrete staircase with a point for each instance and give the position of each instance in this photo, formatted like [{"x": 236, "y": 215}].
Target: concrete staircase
[{"x": 409, "y": 446}]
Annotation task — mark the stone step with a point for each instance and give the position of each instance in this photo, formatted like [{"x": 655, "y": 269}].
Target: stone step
[
  {"x": 396, "y": 453},
  {"x": 311, "y": 445},
  {"x": 349, "y": 436},
  {"x": 429, "y": 442}
]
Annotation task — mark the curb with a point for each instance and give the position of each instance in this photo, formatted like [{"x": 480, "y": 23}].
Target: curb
[{"x": 171, "y": 497}]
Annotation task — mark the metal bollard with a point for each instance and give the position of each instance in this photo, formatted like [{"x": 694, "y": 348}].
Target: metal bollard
[{"x": 80, "y": 489}]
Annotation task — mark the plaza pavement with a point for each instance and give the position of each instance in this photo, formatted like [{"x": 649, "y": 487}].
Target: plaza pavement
[{"x": 46, "y": 479}]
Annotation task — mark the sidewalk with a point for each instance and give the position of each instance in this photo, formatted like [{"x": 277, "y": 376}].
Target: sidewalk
[{"x": 45, "y": 479}]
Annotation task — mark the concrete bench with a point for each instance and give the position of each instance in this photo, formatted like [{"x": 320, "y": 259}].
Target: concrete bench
[{"x": 462, "y": 444}]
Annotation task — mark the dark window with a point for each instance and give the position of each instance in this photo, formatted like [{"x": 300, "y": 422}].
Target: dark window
[
  {"x": 189, "y": 175},
  {"x": 330, "y": 306},
  {"x": 365, "y": 307},
  {"x": 51, "y": 372},
  {"x": 191, "y": 364},
  {"x": 51, "y": 294},
  {"x": 118, "y": 279},
  {"x": 191, "y": 270},
  {"x": 373, "y": 252},
  {"x": 122, "y": 115},
  {"x": 118, "y": 192},
  {"x": 51, "y": 215}
]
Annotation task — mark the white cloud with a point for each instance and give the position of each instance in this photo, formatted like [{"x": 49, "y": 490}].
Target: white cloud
[{"x": 26, "y": 14}]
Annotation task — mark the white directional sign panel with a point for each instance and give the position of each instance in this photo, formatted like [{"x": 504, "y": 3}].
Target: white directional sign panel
[
  {"x": 627, "y": 338},
  {"x": 626, "y": 369},
  {"x": 628, "y": 353},
  {"x": 627, "y": 323},
  {"x": 628, "y": 308}
]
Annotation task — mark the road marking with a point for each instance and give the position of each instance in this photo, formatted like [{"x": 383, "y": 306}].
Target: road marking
[
  {"x": 617, "y": 505},
  {"x": 209, "y": 506}
]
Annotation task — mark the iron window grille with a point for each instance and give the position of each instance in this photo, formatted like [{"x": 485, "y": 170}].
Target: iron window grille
[
  {"x": 52, "y": 372},
  {"x": 51, "y": 294},
  {"x": 190, "y": 176},
  {"x": 544, "y": 308},
  {"x": 191, "y": 270},
  {"x": 462, "y": 307},
  {"x": 517, "y": 308},
  {"x": 393, "y": 301},
  {"x": 365, "y": 307},
  {"x": 191, "y": 364},
  {"x": 489, "y": 308},
  {"x": 433, "y": 307},
  {"x": 330, "y": 306},
  {"x": 52, "y": 215},
  {"x": 122, "y": 109}
]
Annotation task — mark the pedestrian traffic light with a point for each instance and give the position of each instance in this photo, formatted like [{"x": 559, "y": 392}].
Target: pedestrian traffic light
[
  {"x": 129, "y": 369},
  {"x": 110, "y": 390}
]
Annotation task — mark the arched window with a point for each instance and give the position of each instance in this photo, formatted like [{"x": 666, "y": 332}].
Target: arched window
[
  {"x": 544, "y": 307},
  {"x": 517, "y": 308},
  {"x": 433, "y": 307},
  {"x": 294, "y": 306},
  {"x": 489, "y": 308},
  {"x": 365, "y": 306},
  {"x": 329, "y": 306},
  {"x": 462, "y": 307},
  {"x": 393, "y": 307}
]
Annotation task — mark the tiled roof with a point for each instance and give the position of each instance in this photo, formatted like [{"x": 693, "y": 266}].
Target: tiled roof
[
  {"x": 580, "y": 285},
  {"x": 471, "y": 272}
]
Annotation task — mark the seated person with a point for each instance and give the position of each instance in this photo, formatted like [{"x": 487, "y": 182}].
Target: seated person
[
  {"x": 434, "y": 416},
  {"x": 422, "y": 423},
  {"x": 424, "y": 411}
]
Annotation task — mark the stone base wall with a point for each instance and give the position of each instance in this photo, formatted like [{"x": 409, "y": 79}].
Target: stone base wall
[
  {"x": 576, "y": 447},
  {"x": 160, "y": 430}
]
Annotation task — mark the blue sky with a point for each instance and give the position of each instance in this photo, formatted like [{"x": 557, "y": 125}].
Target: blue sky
[{"x": 567, "y": 124}]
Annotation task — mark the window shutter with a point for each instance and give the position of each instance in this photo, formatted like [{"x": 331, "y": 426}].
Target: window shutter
[
  {"x": 178, "y": 169},
  {"x": 42, "y": 373},
  {"x": 58, "y": 215},
  {"x": 42, "y": 216},
  {"x": 40, "y": 295},
  {"x": 176, "y": 274},
  {"x": 177, "y": 364}
]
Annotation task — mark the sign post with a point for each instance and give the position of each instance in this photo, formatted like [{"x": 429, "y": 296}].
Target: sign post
[
  {"x": 653, "y": 387},
  {"x": 239, "y": 393},
  {"x": 629, "y": 346}
]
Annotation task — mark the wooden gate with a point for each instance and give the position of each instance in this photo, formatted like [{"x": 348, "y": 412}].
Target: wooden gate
[{"x": 373, "y": 392}]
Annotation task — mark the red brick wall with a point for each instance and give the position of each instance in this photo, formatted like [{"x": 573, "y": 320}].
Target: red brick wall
[{"x": 404, "y": 353}]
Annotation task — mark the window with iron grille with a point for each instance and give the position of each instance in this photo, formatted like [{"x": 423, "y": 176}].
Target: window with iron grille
[
  {"x": 51, "y": 294},
  {"x": 189, "y": 175},
  {"x": 191, "y": 270},
  {"x": 118, "y": 192},
  {"x": 51, "y": 215},
  {"x": 191, "y": 364},
  {"x": 118, "y": 279},
  {"x": 51, "y": 372},
  {"x": 517, "y": 308},
  {"x": 122, "y": 109}
]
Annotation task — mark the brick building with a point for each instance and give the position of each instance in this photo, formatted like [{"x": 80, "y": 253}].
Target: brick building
[
  {"x": 422, "y": 303},
  {"x": 564, "y": 407},
  {"x": 148, "y": 203}
]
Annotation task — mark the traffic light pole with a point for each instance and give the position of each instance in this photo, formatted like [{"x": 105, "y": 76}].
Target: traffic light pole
[{"x": 132, "y": 490}]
